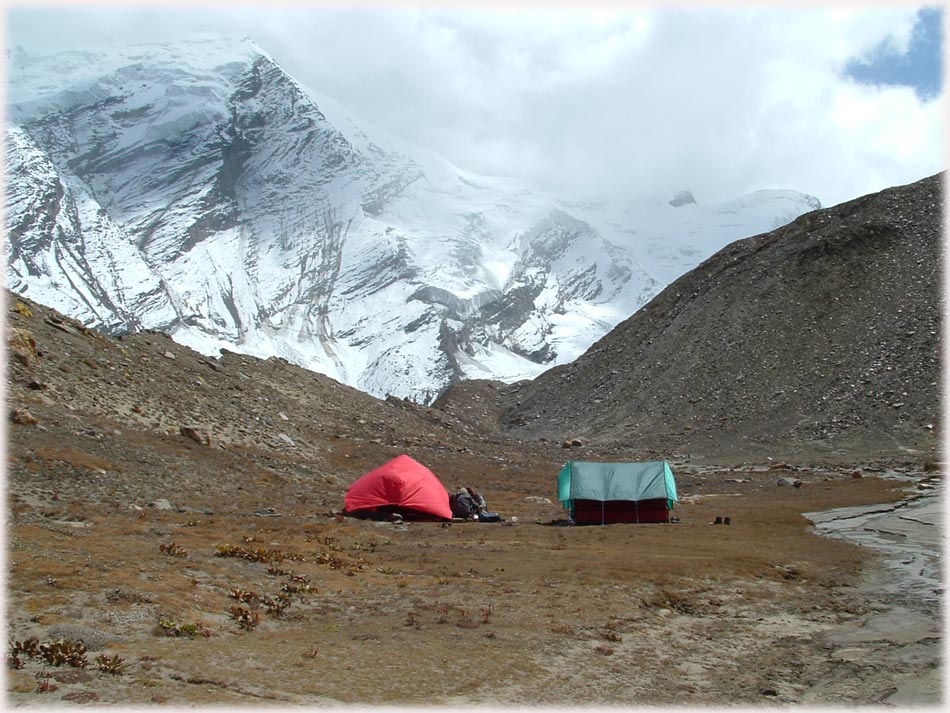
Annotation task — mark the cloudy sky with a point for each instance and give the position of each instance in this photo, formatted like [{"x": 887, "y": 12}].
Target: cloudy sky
[{"x": 633, "y": 99}]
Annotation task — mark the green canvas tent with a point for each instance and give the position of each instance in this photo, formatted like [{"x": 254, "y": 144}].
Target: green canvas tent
[{"x": 601, "y": 493}]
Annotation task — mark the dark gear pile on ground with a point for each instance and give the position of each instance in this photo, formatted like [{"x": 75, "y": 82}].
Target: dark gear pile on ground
[{"x": 469, "y": 504}]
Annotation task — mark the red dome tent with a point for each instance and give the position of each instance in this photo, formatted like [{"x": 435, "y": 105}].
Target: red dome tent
[{"x": 402, "y": 485}]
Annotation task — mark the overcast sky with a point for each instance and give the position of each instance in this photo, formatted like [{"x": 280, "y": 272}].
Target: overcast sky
[{"x": 638, "y": 100}]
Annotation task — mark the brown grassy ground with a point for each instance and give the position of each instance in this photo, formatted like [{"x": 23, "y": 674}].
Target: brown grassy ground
[{"x": 522, "y": 613}]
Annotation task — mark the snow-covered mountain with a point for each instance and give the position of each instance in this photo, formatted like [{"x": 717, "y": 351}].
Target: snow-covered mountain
[{"x": 197, "y": 189}]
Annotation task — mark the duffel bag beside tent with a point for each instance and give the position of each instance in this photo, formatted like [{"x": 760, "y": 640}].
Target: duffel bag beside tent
[
  {"x": 602, "y": 493},
  {"x": 402, "y": 486}
]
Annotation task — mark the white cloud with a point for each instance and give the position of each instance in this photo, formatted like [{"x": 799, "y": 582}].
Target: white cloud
[{"x": 631, "y": 100}]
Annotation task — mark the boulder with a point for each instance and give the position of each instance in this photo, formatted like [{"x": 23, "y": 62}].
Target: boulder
[
  {"x": 22, "y": 417},
  {"x": 22, "y": 346},
  {"x": 199, "y": 434}
]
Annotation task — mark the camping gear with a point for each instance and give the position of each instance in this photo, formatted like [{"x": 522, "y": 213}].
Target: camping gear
[
  {"x": 463, "y": 505},
  {"x": 602, "y": 493},
  {"x": 402, "y": 485},
  {"x": 466, "y": 503}
]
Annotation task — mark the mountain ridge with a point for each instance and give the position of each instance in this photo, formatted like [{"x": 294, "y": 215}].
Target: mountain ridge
[{"x": 245, "y": 217}]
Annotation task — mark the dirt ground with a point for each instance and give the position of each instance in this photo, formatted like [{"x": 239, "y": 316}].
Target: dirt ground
[{"x": 515, "y": 613}]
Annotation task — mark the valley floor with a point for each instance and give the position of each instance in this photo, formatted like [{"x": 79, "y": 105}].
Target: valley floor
[{"x": 761, "y": 611}]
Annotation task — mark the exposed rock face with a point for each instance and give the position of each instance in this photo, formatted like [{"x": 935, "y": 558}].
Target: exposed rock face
[
  {"x": 825, "y": 332},
  {"x": 682, "y": 198}
]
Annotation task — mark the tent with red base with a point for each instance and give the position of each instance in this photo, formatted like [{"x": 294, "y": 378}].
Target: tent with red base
[
  {"x": 402, "y": 485},
  {"x": 602, "y": 493}
]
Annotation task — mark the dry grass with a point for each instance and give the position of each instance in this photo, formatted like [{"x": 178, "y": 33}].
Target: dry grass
[
  {"x": 516, "y": 604},
  {"x": 73, "y": 457}
]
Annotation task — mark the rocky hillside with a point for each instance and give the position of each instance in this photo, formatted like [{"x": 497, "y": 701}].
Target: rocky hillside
[
  {"x": 140, "y": 418},
  {"x": 822, "y": 336}
]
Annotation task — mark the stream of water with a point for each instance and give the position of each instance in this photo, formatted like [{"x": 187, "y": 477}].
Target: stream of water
[{"x": 902, "y": 637}]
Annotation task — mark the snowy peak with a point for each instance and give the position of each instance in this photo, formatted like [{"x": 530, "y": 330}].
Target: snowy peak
[
  {"x": 197, "y": 188},
  {"x": 198, "y": 53}
]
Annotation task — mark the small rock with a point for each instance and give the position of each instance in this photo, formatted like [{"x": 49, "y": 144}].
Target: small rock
[
  {"x": 168, "y": 355},
  {"x": 537, "y": 499},
  {"x": 22, "y": 345},
  {"x": 62, "y": 327},
  {"x": 199, "y": 434},
  {"x": 160, "y": 504},
  {"x": 794, "y": 482},
  {"x": 22, "y": 309},
  {"x": 22, "y": 417}
]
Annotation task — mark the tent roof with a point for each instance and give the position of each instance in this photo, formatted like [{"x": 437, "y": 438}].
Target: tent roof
[
  {"x": 580, "y": 480},
  {"x": 403, "y": 483}
]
